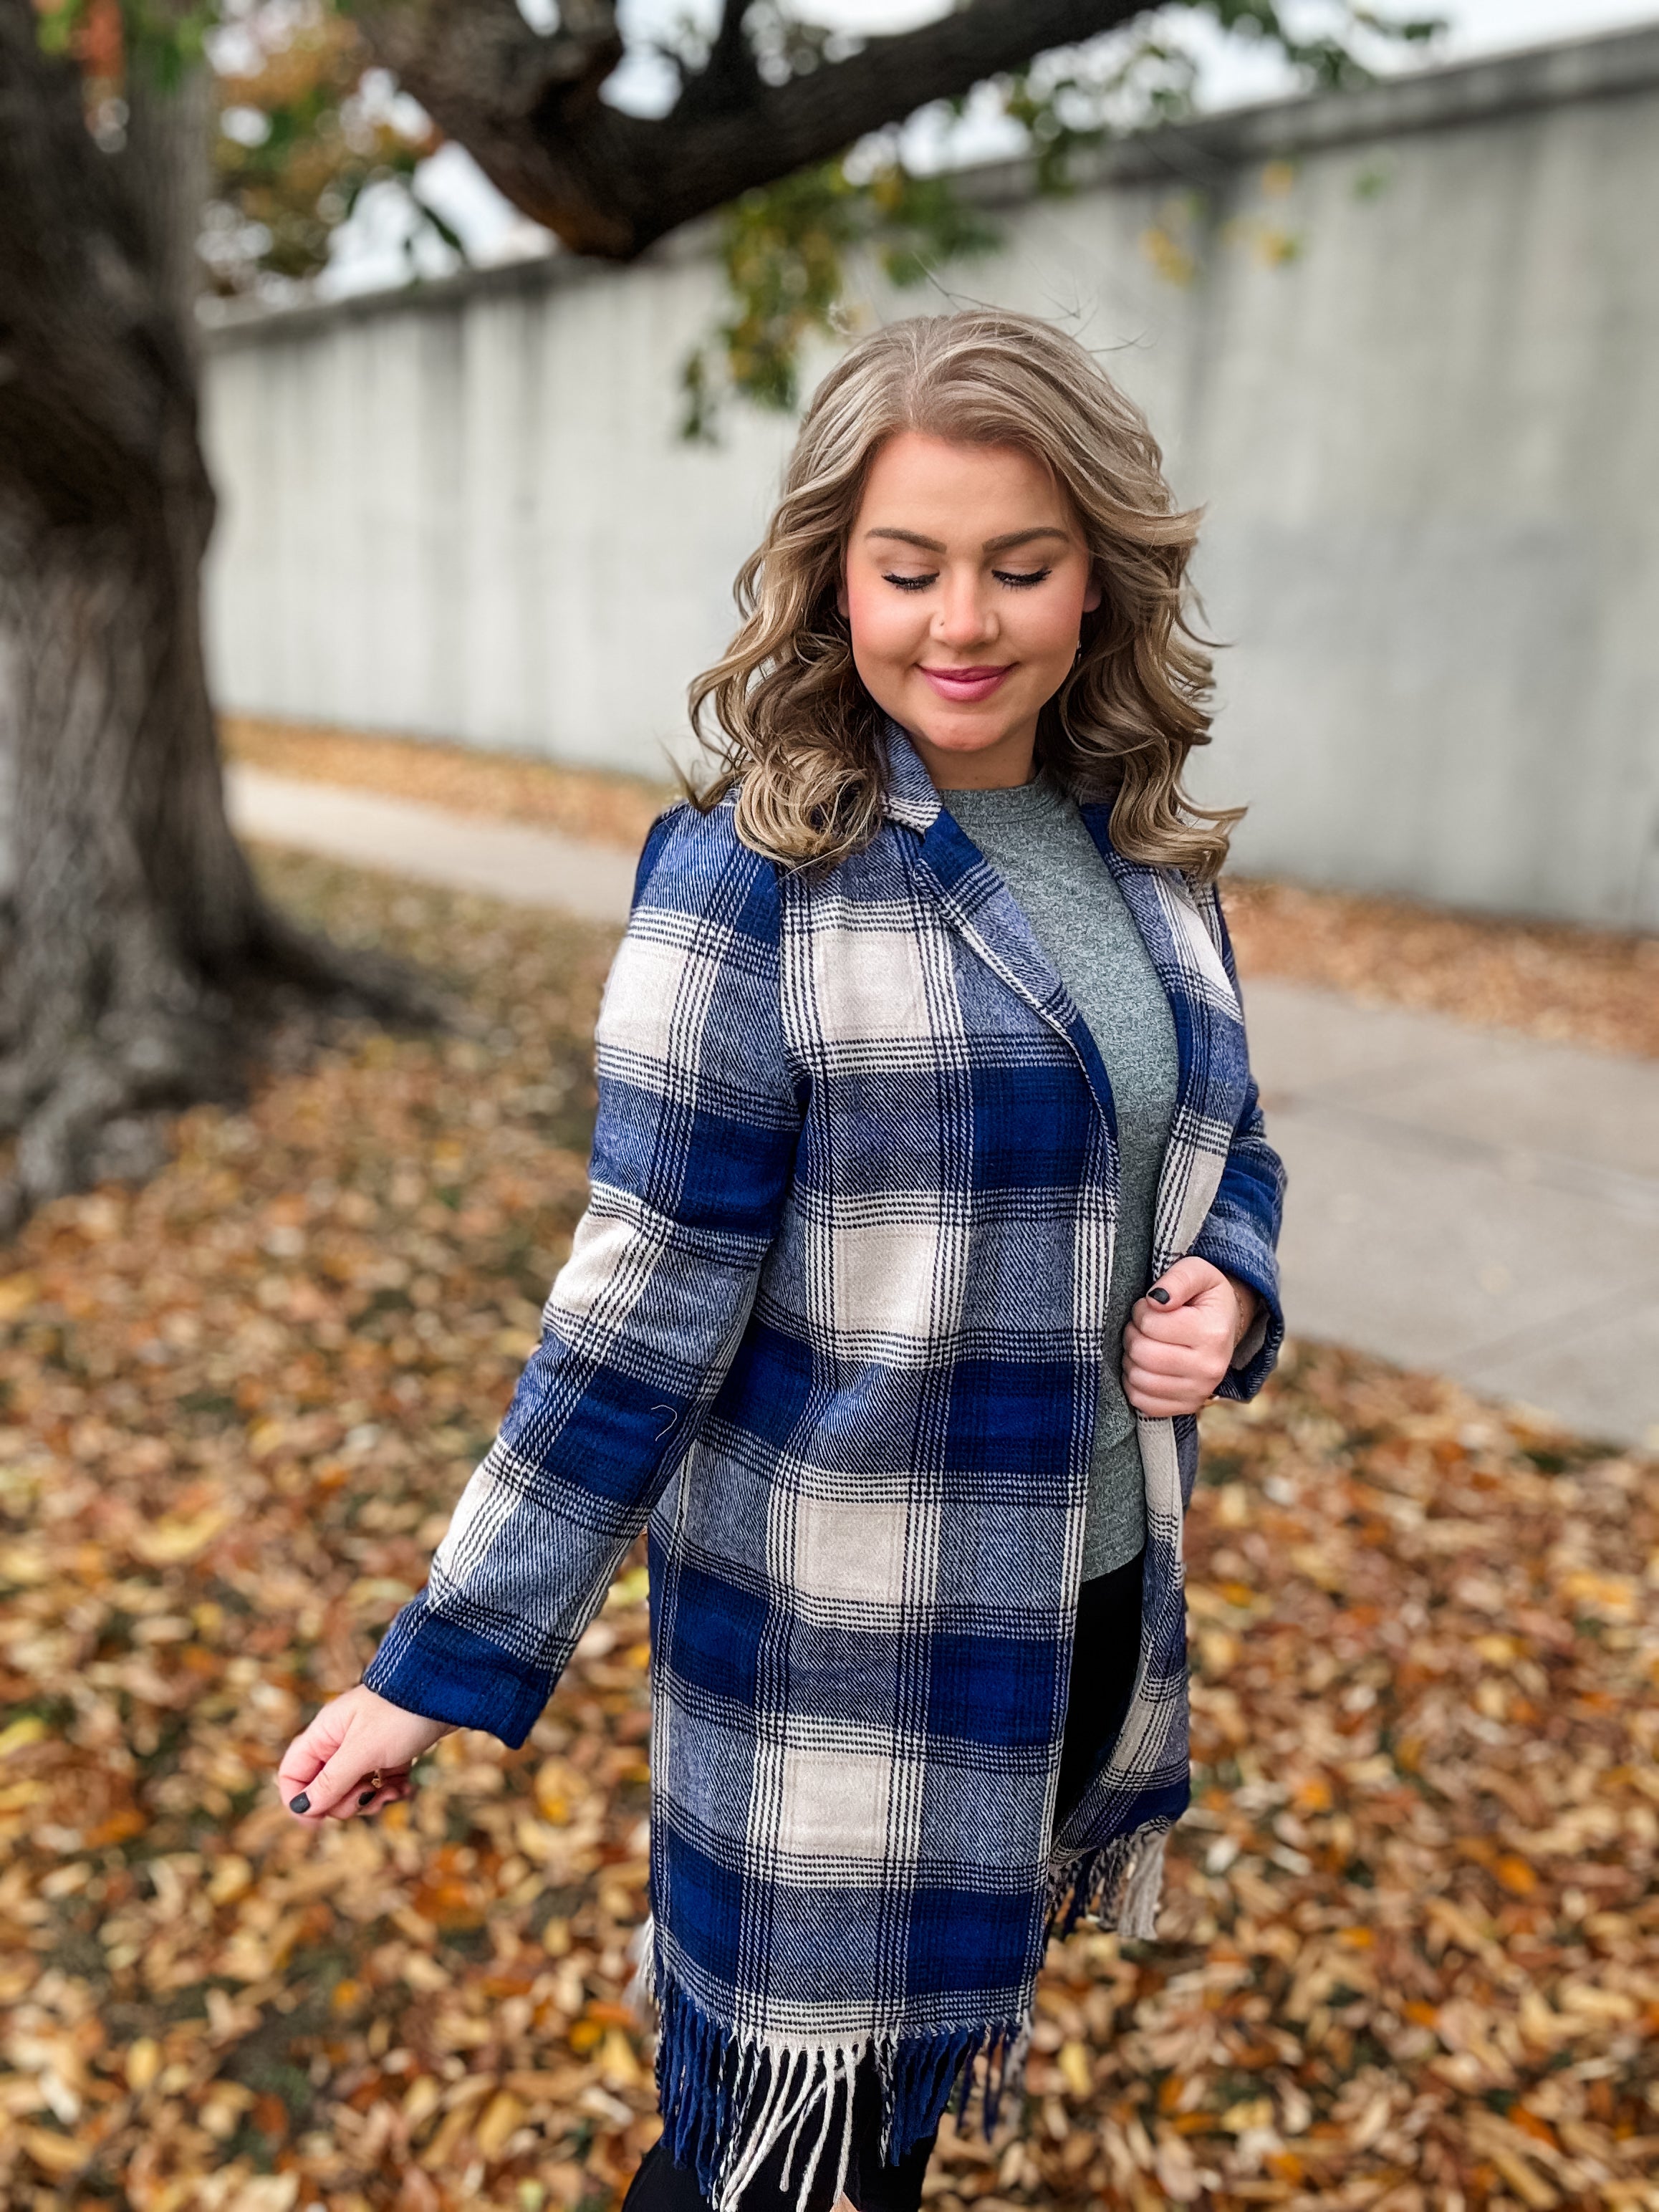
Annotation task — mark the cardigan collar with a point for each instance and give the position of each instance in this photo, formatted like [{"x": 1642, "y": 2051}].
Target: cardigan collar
[{"x": 907, "y": 791}]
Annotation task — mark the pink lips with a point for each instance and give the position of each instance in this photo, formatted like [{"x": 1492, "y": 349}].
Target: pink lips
[{"x": 966, "y": 684}]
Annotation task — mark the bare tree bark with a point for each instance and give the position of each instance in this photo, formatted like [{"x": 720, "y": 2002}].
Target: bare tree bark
[
  {"x": 138, "y": 942},
  {"x": 527, "y": 108}
]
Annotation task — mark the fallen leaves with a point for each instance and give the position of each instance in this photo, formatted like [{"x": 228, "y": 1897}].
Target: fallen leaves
[
  {"x": 1415, "y": 1899},
  {"x": 1413, "y": 1939},
  {"x": 1556, "y": 981},
  {"x": 239, "y": 1405}
]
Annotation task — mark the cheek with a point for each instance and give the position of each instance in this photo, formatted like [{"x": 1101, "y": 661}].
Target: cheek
[
  {"x": 885, "y": 624},
  {"x": 1045, "y": 623}
]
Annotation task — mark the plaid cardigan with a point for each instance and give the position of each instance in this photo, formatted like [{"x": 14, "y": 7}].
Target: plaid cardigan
[{"x": 832, "y": 1320}]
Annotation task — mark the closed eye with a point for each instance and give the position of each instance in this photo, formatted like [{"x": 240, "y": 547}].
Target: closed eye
[{"x": 1019, "y": 579}]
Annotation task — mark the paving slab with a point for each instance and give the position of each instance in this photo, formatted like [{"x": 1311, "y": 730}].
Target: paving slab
[{"x": 1461, "y": 1200}]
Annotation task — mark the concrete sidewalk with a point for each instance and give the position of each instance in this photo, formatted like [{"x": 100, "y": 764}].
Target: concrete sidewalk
[
  {"x": 464, "y": 852},
  {"x": 1469, "y": 1201},
  {"x": 1461, "y": 1200}
]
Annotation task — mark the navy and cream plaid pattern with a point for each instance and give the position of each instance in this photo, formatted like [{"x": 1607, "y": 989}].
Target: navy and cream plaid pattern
[{"x": 832, "y": 1322}]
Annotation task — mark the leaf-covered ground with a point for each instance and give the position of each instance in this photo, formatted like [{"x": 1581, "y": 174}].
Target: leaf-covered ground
[
  {"x": 1411, "y": 1954},
  {"x": 1553, "y": 980}
]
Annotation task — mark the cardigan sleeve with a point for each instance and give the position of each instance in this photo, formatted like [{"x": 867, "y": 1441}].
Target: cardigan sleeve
[
  {"x": 1240, "y": 1234},
  {"x": 699, "y": 1114}
]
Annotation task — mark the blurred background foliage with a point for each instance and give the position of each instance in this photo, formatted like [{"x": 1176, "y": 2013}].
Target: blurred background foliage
[{"x": 306, "y": 122}]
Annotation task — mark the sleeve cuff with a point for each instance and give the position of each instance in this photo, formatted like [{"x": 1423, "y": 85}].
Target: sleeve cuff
[
  {"x": 1256, "y": 1336},
  {"x": 1257, "y": 1351},
  {"x": 432, "y": 1666}
]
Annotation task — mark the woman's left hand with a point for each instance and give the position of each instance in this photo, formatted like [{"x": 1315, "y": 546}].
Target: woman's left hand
[{"x": 1177, "y": 1349}]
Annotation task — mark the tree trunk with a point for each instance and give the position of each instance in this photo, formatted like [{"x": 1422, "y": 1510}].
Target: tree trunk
[
  {"x": 132, "y": 905},
  {"x": 142, "y": 961},
  {"x": 141, "y": 958}
]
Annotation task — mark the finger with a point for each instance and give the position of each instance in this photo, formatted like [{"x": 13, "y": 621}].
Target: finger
[
  {"x": 389, "y": 1796},
  {"x": 1165, "y": 1409},
  {"x": 1182, "y": 1324},
  {"x": 371, "y": 1798},
  {"x": 1202, "y": 1376},
  {"x": 1164, "y": 1405},
  {"x": 1160, "y": 1328},
  {"x": 1183, "y": 1281},
  {"x": 309, "y": 1752},
  {"x": 335, "y": 1787},
  {"x": 1161, "y": 1390},
  {"x": 1148, "y": 1353},
  {"x": 1205, "y": 1328},
  {"x": 1187, "y": 1379},
  {"x": 383, "y": 1786}
]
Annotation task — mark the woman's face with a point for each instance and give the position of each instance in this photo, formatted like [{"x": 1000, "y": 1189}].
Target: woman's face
[{"x": 965, "y": 581}]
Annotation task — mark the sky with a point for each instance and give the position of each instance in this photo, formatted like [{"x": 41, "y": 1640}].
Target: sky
[{"x": 370, "y": 251}]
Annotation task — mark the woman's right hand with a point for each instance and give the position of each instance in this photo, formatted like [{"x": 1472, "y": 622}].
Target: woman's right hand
[{"x": 324, "y": 1770}]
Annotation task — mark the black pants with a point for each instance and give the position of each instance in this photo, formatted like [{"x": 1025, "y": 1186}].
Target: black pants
[
  {"x": 1105, "y": 1652},
  {"x": 1105, "y": 1648}
]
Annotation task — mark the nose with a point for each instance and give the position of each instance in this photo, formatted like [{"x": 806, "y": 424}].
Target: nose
[{"x": 963, "y": 616}]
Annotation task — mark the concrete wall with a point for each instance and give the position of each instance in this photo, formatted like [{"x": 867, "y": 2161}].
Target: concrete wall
[{"x": 1413, "y": 372}]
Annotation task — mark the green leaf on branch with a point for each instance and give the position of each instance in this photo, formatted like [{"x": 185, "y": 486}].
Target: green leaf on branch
[
  {"x": 925, "y": 222},
  {"x": 784, "y": 250},
  {"x": 440, "y": 228},
  {"x": 167, "y": 42},
  {"x": 57, "y": 25},
  {"x": 298, "y": 145},
  {"x": 1328, "y": 59}
]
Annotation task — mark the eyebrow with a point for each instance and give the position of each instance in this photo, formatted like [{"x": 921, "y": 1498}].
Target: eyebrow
[{"x": 1004, "y": 544}]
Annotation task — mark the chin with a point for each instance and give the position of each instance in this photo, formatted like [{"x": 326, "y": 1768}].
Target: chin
[
  {"x": 956, "y": 739},
  {"x": 959, "y": 729}
]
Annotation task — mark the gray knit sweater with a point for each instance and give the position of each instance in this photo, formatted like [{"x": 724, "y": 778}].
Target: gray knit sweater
[{"x": 1038, "y": 842}]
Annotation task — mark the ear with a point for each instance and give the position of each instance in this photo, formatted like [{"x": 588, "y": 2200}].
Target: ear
[
  {"x": 1094, "y": 594},
  {"x": 842, "y": 608}
]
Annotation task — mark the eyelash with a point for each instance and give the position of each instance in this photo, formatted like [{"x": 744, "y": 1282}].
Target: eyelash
[{"x": 1019, "y": 582}]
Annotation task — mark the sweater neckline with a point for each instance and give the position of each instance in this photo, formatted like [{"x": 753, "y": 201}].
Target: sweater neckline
[{"x": 1021, "y": 802}]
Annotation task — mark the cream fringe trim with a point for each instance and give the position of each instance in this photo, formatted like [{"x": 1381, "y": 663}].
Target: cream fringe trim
[{"x": 728, "y": 2102}]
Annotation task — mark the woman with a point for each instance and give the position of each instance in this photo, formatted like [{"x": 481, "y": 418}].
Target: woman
[{"x": 930, "y": 1202}]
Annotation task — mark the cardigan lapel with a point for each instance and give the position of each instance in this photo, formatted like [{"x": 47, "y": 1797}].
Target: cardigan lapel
[
  {"x": 1211, "y": 1062},
  {"x": 978, "y": 904},
  {"x": 1209, "y": 1026}
]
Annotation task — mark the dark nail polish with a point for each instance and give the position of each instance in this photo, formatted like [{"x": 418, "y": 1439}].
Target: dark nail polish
[
  {"x": 299, "y": 1804},
  {"x": 1158, "y": 1296},
  {"x": 366, "y": 1796}
]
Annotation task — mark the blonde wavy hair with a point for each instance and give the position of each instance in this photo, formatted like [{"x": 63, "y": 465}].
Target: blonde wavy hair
[{"x": 795, "y": 731}]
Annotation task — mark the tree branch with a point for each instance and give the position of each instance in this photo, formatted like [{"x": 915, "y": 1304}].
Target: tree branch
[
  {"x": 483, "y": 55},
  {"x": 729, "y": 80},
  {"x": 527, "y": 108}
]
